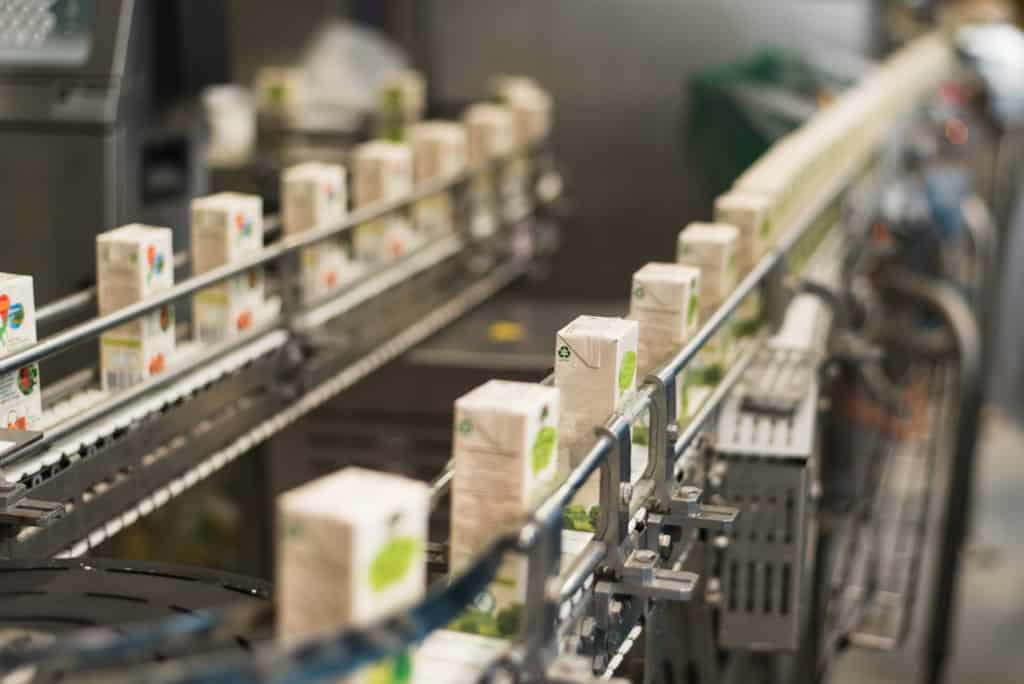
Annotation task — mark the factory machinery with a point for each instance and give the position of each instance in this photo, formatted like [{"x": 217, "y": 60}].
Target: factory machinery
[{"x": 777, "y": 523}]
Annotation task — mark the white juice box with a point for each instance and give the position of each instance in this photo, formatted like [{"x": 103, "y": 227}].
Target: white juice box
[
  {"x": 351, "y": 549},
  {"x": 226, "y": 227},
  {"x": 382, "y": 170},
  {"x": 402, "y": 101},
  {"x": 439, "y": 151},
  {"x": 506, "y": 461},
  {"x": 450, "y": 657},
  {"x": 711, "y": 247},
  {"x": 20, "y": 394},
  {"x": 315, "y": 195},
  {"x": 532, "y": 107},
  {"x": 665, "y": 301},
  {"x": 491, "y": 133},
  {"x": 749, "y": 214},
  {"x": 133, "y": 263},
  {"x": 595, "y": 369}
]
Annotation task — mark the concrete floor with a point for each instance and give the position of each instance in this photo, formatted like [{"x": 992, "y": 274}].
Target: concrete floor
[{"x": 989, "y": 643}]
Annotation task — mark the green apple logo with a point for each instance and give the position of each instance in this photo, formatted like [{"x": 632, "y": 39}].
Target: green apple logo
[
  {"x": 543, "y": 448},
  {"x": 397, "y": 670},
  {"x": 627, "y": 370},
  {"x": 392, "y": 563}
]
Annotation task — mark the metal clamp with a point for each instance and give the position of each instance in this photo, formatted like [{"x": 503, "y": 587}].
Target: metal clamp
[
  {"x": 641, "y": 578},
  {"x": 20, "y": 511},
  {"x": 688, "y": 512}
]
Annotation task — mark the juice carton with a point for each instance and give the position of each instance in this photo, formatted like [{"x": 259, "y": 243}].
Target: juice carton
[
  {"x": 595, "y": 370},
  {"x": 226, "y": 227},
  {"x": 382, "y": 170},
  {"x": 20, "y": 395},
  {"x": 315, "y": 195},
  {"x": 665, "y": 301},
  {"x": 506, "y": 460},
  {"x": 439, "y": 151},
  {"x": 491, "y": 133},
  {"x": 351, "y": 550},
  {"x": 133, "y": 263}
]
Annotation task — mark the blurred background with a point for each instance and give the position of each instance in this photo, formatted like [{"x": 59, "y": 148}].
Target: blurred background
[{"x": 660, "y": 104}]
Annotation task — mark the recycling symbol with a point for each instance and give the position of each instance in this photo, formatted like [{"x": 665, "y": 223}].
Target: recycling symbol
[
  {"x": 639, "y": 293},
  {"x": 563, "y": 352},
  {"x": 465, "y": 427}
]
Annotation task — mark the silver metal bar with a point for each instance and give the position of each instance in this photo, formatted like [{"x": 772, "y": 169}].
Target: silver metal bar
[
  {"x": 441, "y": 484},
  {"x": 74, "y": 303},
  {"x": 583, "y": 566},
  {"x": 66, "y": 306}
]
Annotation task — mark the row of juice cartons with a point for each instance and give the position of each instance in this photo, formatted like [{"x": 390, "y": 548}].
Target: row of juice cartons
[
  {"x": 841, "y": 139},
  {"x": 136, "y": 261},
  {"x": 513, "y": 442}
]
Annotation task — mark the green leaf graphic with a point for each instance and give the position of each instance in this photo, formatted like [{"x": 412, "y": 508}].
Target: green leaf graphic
[
  {"x": 543, "y": 448},
  {"x": 397, "y": 670},
  {"x": 392, "y": 563},
  {"x": 627, "y": 370}
]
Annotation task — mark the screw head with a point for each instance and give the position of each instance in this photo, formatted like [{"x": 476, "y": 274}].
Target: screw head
[
  {"x": 645, "y": 556},
  {"x": 689, "y": 492}
]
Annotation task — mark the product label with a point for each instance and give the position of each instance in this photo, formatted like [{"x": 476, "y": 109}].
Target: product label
[{"x": 20, "y": 399}]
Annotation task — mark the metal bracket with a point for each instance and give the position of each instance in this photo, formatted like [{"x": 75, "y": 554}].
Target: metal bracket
[
  {"x": 642, "y": 579},
  {"x": 16, "y": 509},
  {"x": 688, "y": 511},
  {"x": 20, "y": 511}
]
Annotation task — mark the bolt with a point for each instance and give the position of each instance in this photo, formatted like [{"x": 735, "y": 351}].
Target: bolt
[
  {"x": 721, "y": 541},
  {"x": 625, "y": 493},
  {"x": 689, "y": 493},
  {"x": 646, "y": 557}
]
